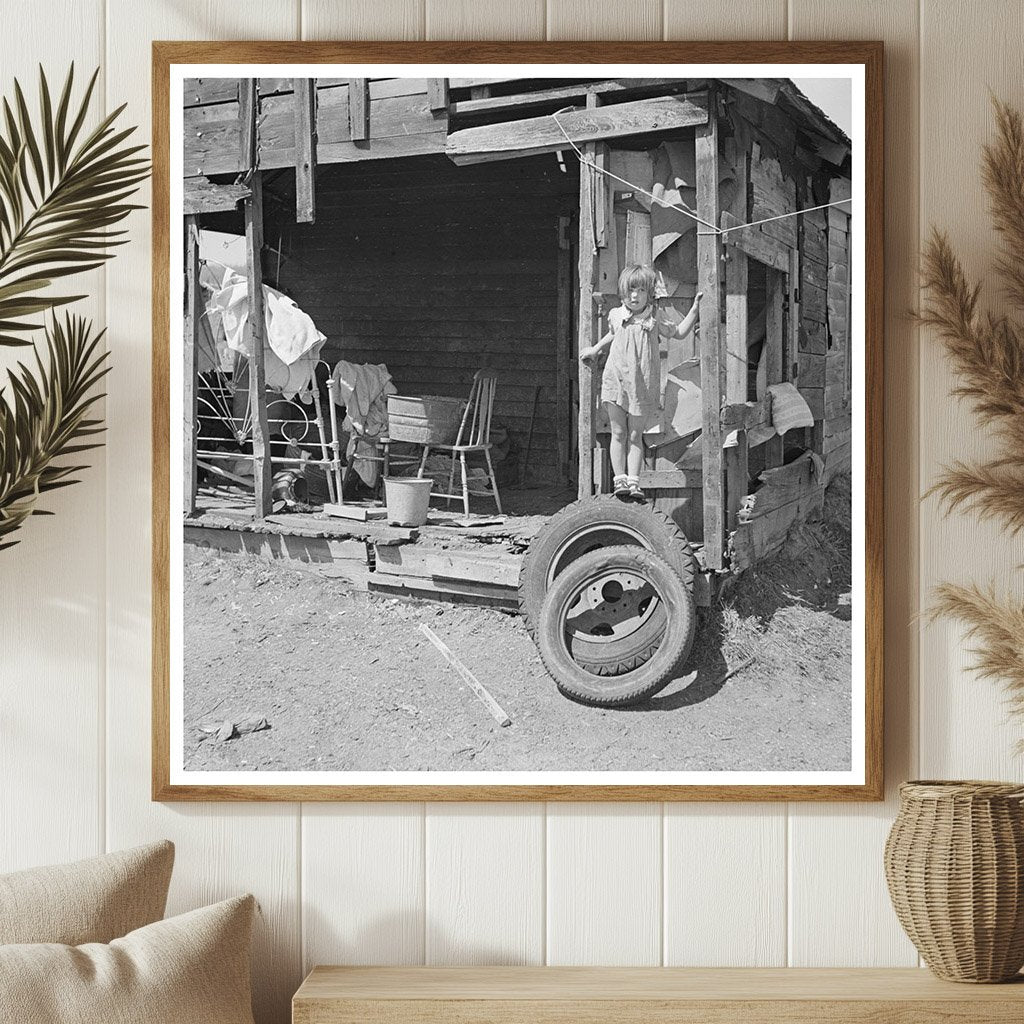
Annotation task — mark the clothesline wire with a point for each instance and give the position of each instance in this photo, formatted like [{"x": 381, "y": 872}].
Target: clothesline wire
[{"x": 681, "y": 207}]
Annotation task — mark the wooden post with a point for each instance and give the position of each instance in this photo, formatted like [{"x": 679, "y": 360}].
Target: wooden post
[
  {"x": 774, "y": 343},
  {"x": 247, "y": 116},
  {"x": 709, "y": 282},
  {"x": 262, "y": 470},
  {"x": 564, "y": 348},
  {"x": 359, "y": 108},
  {"x": 305, "y": 150},
  {"x": 437, "y": 94},
  {"x": 588, "y": 270},
  {"x": 602, "y": 195},
  {"x": 193, "y": 311},
  {"x": 736, "y": 388}
]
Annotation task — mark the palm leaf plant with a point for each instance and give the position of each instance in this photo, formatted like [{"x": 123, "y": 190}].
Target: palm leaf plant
[
  {"x": 63, "y": 190},
  {"x": 47, "y": 417}
]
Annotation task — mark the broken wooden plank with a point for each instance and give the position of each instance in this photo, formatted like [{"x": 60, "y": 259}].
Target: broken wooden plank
[
  {"x": 483, "y": 694},
  {"x": 359, "y": 108},
  {"x": 200, "y": 195},
  {"x": 708, "y": 282},
  {"x": 305, "y": 150},
  {"x": 757, "y": 538},
  {"x": 801, "y": 468},
  {"x": 533, "y": 135},
  {"x": 786, "y": 504}
]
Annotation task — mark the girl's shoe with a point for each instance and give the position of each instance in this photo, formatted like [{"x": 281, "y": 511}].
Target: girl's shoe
[
  {"x": 620, "y": 487},
  {"x": 635, "y": 493}
]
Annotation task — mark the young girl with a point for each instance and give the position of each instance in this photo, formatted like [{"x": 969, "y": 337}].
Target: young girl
[{"x": 631, "y": 382}]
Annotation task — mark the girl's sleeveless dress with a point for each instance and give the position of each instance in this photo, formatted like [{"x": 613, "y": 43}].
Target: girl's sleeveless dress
[{"x": 632, "y": 374}]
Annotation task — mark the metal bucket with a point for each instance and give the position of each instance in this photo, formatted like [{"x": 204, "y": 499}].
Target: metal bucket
[{"x": 408, "y": 499}]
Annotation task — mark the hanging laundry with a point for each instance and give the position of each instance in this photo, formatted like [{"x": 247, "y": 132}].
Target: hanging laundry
[
  {"x": 292, "y": 344},
  {"x": 363, "y": 389}
]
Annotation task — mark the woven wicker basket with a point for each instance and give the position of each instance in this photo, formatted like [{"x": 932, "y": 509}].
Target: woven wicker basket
[{"x": 954, "y": 861}]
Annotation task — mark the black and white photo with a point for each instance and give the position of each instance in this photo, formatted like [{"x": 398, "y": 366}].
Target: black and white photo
[{"x": 523, "y": 426}]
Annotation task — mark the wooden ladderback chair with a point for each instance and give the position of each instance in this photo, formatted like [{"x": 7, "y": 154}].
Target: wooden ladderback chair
[
  {"x": 475, "y": 429},
  {"x": 474, "y": 436}
]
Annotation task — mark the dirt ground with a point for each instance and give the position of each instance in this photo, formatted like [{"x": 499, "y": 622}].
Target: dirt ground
[{"x": 346, "y": 681}]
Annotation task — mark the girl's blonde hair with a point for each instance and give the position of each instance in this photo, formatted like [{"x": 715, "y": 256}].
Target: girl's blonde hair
[{"x": 637, "y": 276}]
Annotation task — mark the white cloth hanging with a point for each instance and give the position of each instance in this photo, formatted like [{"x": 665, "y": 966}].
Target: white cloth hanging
[
  {"x": 363, "y": 389},
  {"x": 292, "y": 342}
]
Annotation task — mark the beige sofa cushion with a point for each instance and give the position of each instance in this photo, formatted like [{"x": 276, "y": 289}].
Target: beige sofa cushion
[
  {"x": 92, "y": 900},
  {"x": 190, "y": 969}
]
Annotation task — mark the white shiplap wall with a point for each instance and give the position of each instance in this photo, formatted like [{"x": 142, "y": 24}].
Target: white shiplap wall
[{"x": 741, "y": 884}]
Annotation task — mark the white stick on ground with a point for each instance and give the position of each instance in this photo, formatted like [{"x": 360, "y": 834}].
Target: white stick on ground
[{"x": 478, "y": 688}]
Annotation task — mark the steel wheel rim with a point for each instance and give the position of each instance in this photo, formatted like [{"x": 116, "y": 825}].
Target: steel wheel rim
[{"x": 610, "y": 608}]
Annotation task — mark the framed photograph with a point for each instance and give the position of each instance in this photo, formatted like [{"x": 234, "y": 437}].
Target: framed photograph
[{"x": 517, "y": 421}]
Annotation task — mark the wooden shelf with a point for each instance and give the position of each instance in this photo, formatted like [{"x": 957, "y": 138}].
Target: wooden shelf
[{"x": 624, "y": 995}]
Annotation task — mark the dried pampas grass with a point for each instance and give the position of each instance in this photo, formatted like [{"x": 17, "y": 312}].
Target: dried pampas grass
[
  {"x": 987, "y": 354},
  {"x": 997, "y": 630}
]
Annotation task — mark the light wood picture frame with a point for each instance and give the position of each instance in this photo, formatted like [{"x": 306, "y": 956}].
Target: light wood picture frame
[{"x": 803, "y": 273}]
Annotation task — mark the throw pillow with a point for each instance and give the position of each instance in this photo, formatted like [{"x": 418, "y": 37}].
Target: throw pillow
[
  {"x": 190, "y": 969},
  {"x": 92, "y": 900}
]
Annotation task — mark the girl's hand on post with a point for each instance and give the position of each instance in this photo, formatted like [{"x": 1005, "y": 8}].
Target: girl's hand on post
[{"x": 587, "y": 355}]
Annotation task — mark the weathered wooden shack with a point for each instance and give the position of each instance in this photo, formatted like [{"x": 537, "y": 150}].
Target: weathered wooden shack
[{"x": 443, "y": 225}]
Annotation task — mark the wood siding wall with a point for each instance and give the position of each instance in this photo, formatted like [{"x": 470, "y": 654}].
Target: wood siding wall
[
  {"x": 437, "y": 271},
  {"x": 399, "y": 116},
  {"x": 785, "y": 176},
  {"x": 736, "y": 884}
]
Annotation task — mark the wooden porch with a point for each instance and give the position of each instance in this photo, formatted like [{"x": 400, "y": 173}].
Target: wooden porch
[{"x": 442, "y": 560}]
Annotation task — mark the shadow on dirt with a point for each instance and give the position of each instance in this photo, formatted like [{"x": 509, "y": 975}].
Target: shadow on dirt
[{"x": 771, "y": 614}]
